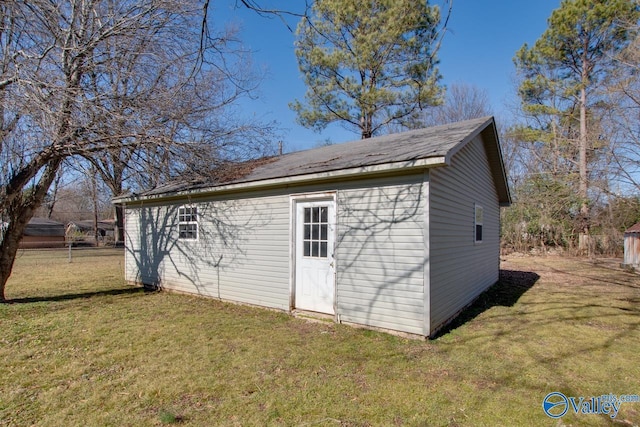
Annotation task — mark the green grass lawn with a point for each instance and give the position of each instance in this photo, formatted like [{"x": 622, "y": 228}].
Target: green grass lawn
[{"x": 80, "y": 348}]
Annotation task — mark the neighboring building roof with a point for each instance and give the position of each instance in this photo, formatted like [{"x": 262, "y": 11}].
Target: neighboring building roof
[
  {"x": 44, "y": 227},
  {"x": 87, "y": 225},
  {"x": 633, "y": 229},
  {"x": 429, "y": 147}
]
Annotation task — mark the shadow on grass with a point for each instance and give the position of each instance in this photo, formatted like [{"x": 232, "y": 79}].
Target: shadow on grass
[
  {"x": 510, "y": 287},
  {"x": 67, "y": 297}
]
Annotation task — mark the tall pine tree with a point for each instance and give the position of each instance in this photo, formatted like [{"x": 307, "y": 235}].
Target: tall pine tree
[
  {"x": 561, "y": 77},
  {"x": 368, "y": 64}
]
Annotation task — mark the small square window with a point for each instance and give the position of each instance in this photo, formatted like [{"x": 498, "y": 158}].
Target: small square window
[{"x": 188, "y": 223}]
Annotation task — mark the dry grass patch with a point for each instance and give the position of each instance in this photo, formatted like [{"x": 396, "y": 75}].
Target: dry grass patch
[{"x": 81, "y": 348}]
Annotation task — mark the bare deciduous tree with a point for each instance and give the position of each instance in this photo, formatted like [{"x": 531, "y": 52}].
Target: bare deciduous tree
[
  {"x": 462, "y": 102},
  {"x": 98, "y": 78},
  {"x": 195, "y": 124},
  {"x": 573, "y": 58},
  {"x": 624, "y": 114}
]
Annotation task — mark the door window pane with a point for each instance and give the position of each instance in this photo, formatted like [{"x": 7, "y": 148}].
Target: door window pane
[{"x": 316, "y": 232}]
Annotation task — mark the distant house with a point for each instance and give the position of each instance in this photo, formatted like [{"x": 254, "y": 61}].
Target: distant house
[
  {"x": 632, "y": 246},
  {"x": 399, "y": 232},
  {"x": 43, "y": 233}
]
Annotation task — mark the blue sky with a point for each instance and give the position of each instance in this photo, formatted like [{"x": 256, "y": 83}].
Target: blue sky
[{"x": 478, "y": 49}]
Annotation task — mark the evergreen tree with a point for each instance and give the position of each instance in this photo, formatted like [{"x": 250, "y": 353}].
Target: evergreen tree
[
  {"x": 562, "y": 73},
  {"x": 368, "y": 64}
]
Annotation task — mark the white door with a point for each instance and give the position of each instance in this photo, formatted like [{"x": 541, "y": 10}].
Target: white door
[{"x": 314, "y": 245}]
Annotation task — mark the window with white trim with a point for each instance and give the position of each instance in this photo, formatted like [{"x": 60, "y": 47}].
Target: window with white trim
[
  {"x": 479, "y": 220},
  {"x": 188, "y": 223}
]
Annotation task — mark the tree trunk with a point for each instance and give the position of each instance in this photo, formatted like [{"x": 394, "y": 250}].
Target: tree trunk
[
  {"x": 114, "y": 182},
  {"x": 54, "y": 196},
  {"x": 94, "y": 196},
  {"x": 20, "y": 211},
  {"x": 366, "y": 126},
  {"x": 584, "y": 177},
  {"x": 583, "y": 188},
  {"x": 9, "y": 248},
  {"x": 556, "y": 148},
  {"x": 118, "y": 231}
]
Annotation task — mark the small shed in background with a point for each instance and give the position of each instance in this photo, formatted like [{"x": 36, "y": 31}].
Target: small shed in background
[
  {"x": 632, "y": 246},
  {"x": 86, "y": 227},
  {"x": 83, "y": 231},
  {"x": 43, "y": 233}
]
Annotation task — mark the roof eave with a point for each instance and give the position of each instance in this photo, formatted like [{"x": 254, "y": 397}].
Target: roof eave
[
  {"x": 506, "y": 199},
  {"x": 360, "y": 172}
]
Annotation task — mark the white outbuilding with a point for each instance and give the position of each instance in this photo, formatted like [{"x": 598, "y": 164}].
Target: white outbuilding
[
  {"x": 632, "y": 246},
  {"x": 399, "y": 232}
]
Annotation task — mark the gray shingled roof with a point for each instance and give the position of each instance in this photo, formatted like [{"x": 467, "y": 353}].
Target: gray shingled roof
[
  {"x": 87, "y": 225},
  {"x": 413, "y": 145},
  {"x": 44, "y": 227},
  {"x": 434, "y": 142}
]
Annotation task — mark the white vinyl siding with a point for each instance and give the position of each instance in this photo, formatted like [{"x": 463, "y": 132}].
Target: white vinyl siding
[
  {"x": 244, "y": 244},
  {"x": 242, "y": 251},
  {"x": 132, "y": 253},
  {"x": 460, "y": 268},
  {"x": 380, "y": 254}
]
